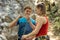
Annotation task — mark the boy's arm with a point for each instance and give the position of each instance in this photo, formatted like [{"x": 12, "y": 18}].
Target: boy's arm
[{"x": 13, "y": 23}]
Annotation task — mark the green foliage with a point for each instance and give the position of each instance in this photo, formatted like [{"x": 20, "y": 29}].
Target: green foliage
[
  {"x": 56, "y": 27},
  {"x": 54, "y": 17}
]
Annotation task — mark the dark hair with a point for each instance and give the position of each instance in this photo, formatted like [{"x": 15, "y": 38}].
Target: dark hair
[
  {"x": 43, "y": 8},
  {"x": 53, "y": 4},
  {"x": 28, "y": 7}
]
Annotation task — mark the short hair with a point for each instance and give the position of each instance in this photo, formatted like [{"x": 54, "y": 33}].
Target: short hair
[{"x": 27, "y": 7}]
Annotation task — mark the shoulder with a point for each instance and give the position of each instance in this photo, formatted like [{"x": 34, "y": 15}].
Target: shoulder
[
  {"x": 41, "y": 19},
  {"x": 22, "y": 19}
]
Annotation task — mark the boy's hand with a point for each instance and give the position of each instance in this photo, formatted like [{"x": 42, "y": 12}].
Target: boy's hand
[{"x": 20, "y": 16}]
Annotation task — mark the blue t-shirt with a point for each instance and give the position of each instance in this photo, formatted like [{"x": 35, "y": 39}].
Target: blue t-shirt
[{"x": 24, "y": 26}]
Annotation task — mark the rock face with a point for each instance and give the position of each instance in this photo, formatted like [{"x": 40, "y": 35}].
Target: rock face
[
  {"x": 8, "y": 7},
  {"x": 9, "y": 10}
]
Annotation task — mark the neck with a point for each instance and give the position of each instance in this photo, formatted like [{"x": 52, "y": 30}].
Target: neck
[{"x": 26, "y": 16}]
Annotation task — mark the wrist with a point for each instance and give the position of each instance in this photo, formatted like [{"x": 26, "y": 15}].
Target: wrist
[
  {"x": 19, "y": 16},
  {"x": 27, "y": 35}
]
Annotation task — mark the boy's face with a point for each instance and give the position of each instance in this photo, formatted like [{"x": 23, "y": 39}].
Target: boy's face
[{"x": 28, "y": 11}]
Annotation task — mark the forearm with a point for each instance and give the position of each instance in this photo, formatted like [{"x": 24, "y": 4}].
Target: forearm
[{"x": 13, "y": 23}]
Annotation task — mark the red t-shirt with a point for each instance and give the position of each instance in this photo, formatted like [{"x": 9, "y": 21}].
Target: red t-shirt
[{"x": 44, "y": 29}]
